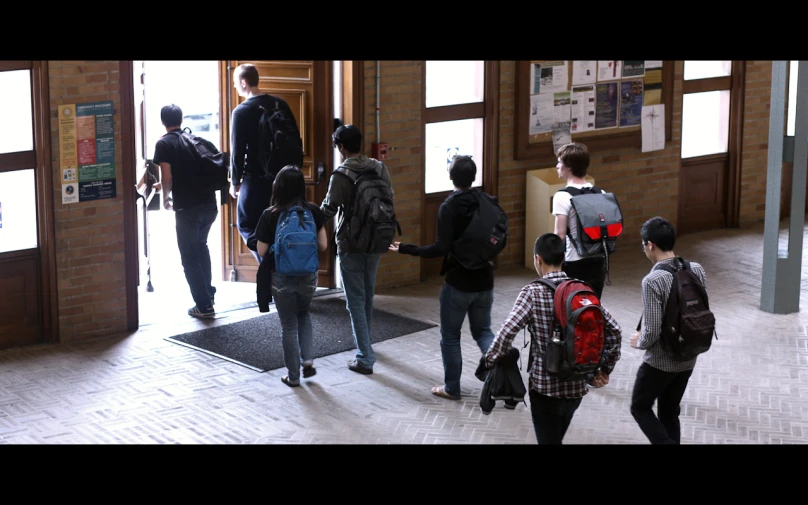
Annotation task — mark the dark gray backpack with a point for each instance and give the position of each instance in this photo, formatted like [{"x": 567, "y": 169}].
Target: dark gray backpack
[{"x": 370, "y": 216}]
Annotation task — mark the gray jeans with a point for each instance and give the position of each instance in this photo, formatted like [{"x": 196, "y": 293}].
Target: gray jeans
[{"x": 292, "y": 295}]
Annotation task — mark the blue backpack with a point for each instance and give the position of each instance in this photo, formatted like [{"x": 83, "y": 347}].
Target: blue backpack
[{"x": 295, "y": 247}]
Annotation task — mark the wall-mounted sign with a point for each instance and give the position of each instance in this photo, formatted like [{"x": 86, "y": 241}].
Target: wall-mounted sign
[{"x": 87, "y": 146}]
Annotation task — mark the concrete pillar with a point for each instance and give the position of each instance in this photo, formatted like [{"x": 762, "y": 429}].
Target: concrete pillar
[{"x": 782, "y": 268}]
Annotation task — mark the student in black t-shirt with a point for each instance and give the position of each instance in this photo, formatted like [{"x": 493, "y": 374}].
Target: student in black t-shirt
[
  {"x": 292, "y": 293},
  {"x": 194, "y": 212}
]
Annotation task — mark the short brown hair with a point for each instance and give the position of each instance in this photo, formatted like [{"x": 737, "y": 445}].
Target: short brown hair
[
  {"x": 575, "y": 156},
  {"x": 249, "y": 73}
]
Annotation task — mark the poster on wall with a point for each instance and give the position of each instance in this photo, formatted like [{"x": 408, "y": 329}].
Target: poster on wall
[
  {"x": 87, "y": 146},
  {"x": 631, "y": 94},
  {"x": 606, "y": 105}
]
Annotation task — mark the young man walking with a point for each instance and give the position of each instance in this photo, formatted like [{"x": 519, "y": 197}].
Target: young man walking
[
  {"x": 194, "y": 211},
  {"x": 573, "y": 163},
  {"x": 249, "y": 183},
  {"x": 553, "y": 402},
  {"x": 660, "y": 378},
  {"x": 464, "y": 291},
  {"x": 358, "y": 269}
]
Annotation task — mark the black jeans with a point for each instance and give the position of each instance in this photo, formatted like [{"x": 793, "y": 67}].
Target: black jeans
[
  {"x": 253, "y": 198},
  {"x": 667, "y": 389},
  {"x": 193, "y": 225},
  {"x": 589, "y": 270},
  {"x": 551, "y": 416}
]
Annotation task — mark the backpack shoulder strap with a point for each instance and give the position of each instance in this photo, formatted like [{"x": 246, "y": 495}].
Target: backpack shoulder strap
[
  {"x": 571, "y": 190},
  {"x": 350, "y": 174},
  {"x": 547, "y": 282},
  {"x": 671, "y": 270}
]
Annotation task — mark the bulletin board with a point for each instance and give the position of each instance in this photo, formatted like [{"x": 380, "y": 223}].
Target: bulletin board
[{"x": 595, "y": 102}]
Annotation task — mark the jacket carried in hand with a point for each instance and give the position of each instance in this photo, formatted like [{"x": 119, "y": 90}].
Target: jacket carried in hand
[{"x": 503, "y": 381}]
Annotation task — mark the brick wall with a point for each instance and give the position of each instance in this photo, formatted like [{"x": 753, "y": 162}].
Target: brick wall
[
  {"x": 754, "y": 156},
  {"x": 400, "y": 128},
  {"x": 89, "y": 235}
]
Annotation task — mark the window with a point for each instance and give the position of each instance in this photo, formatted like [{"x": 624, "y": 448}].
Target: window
[
  {"x": 794, "y": 69},
  {"x": 16, "y": 129},
  {"x": 706, "y": 107},
  {"x": 18, "y": 212},
  {"x": 455, "y": 119}
]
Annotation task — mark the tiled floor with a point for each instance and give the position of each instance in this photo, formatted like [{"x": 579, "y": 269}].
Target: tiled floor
[{"x": 750, "y": 388}]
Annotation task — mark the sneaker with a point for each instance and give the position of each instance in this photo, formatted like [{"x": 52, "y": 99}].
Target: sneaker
[
  {"x": 358, "y": 367},
  {"x": 207, "y": 313}
]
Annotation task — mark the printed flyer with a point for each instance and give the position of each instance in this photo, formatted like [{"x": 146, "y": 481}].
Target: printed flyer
[{"x": 87, "y": 146}]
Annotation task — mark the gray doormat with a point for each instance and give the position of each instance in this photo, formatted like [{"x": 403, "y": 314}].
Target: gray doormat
[{"x": 256, "y": 343}]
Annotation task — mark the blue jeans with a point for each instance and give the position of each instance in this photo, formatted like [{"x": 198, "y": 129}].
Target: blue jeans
[
  {"x": 292, "y": 295},
  {"x": 358, "y": 272},
  {"x": 551, "y": 416},
  {"x": 666, "y": 389},
  {"x": 454, "y": 305},
  {"x": 193, "y": 225},
  {"x": 253, "y": 198}
]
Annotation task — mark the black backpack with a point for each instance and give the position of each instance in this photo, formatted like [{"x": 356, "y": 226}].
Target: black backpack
[
  {"x": 370, "y": 218},
  {"x": 485, "y": 236},
  {"x": 599, "y": 220},
  {"x": 688, "y": 325},
  {"x": 208, "y": 168},
  {"x": 280, "y": 143}
]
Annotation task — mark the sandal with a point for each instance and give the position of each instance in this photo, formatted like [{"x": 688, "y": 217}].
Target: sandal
[
  {"x": 309, "y": 371},
  {"x": 292, "y": 384},
  {"x": 441, "y": 391}
]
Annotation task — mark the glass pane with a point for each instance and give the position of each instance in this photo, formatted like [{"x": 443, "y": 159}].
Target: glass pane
[
  {"x": 167, "y": 83},
  {"x": 17, "y": 210},
  {"x": 705, "y": 123},
  {"x": 444, "y": 140},
  {"x": 454, "y": 82},
  {"x": 792, "y": 97},
  {"x": 17, "y": 127},
  {"x": 695, "y": 69}
]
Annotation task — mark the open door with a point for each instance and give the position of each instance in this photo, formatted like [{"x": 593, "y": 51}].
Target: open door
[{"x": 306, "y": 86}]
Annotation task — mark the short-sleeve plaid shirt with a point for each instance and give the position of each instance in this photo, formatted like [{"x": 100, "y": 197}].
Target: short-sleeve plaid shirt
[{"x": 534, "y": 309}]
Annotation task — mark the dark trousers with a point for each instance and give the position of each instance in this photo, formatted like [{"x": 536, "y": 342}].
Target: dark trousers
[
  {"x": 667, "y": 389},
  {"x": 551, "y": 416},
  {"x": 253, "y": 198},
  {"x": 193, "y": 225},
  {"x": 589, "y": 270}
]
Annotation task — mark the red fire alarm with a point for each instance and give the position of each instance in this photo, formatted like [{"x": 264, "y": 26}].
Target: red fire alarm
[{"x": 379, "y": 151}]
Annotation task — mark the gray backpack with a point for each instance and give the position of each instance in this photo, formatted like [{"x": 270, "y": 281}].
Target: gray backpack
[{"x": 599, "y": 219}]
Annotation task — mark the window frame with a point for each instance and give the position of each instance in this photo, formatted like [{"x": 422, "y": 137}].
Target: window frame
[{"x": 485, "y": 110}]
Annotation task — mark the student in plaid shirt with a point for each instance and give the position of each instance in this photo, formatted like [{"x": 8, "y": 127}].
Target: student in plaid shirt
[{"x": 552, "y": 401}]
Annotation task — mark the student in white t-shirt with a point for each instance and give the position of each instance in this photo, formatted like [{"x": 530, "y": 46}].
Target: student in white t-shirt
[{"x": 573, "y": 162}]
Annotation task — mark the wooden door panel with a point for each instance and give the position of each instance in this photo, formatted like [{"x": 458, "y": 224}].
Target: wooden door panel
[
  {"x": 19, "y": 302},
  {"x": 431, "y": 267},
  {"x": 306, "y": 86},
  {"x": 702, "y": 195}
]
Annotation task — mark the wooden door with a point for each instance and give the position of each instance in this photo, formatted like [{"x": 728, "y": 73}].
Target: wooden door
[
  {"x": 709, "y": 185},
  {"x": 306, "y": 87}
]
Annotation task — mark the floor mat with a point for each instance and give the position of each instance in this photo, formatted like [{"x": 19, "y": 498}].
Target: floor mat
[{"x": 256, "y": 343}]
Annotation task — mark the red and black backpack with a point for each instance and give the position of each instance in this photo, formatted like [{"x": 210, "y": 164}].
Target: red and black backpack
[{"x": 576, "y": 348}]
